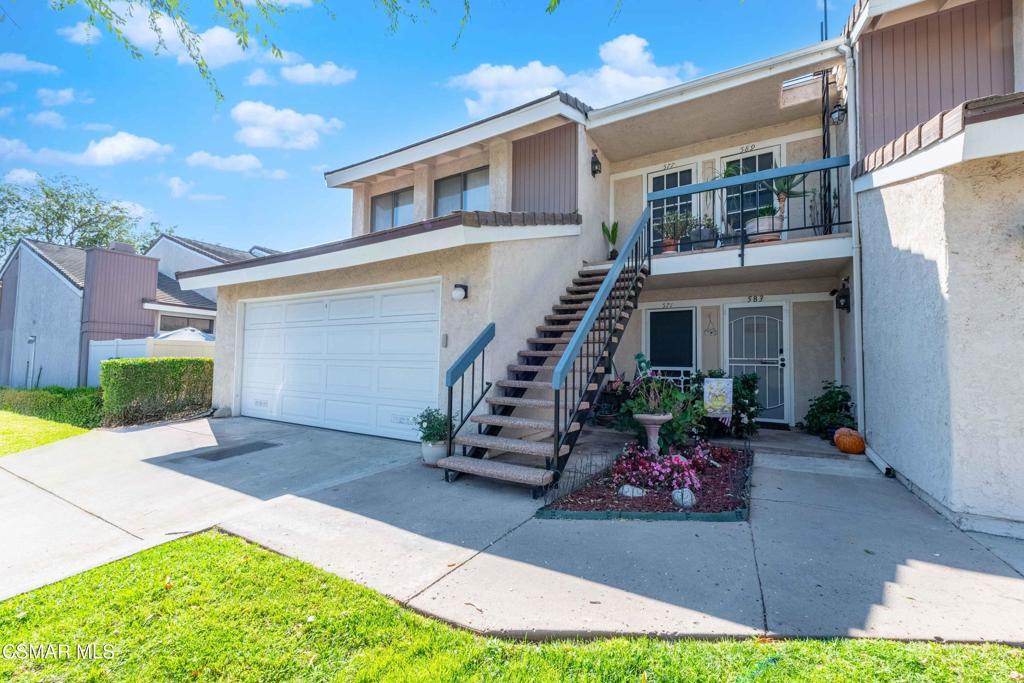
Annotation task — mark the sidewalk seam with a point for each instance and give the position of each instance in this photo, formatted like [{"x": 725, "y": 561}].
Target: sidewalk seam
[
  {"x": 72, "y": 504},
  {"x": 757, "y": 574}
]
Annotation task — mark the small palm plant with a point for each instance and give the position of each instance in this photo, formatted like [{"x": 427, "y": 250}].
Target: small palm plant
[
  {"x": 612, "y": 236},
  {"x": 785, "y": 189}
]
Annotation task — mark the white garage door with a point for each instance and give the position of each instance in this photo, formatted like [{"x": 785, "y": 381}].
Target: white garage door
[{"x": 364, "y": 362}]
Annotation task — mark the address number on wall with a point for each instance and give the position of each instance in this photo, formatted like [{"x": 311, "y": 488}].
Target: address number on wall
[{"x": 755, "y": 298}]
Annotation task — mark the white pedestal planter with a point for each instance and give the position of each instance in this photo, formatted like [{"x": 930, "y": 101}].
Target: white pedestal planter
[
  {"x": 652, "y": 425},
  {"x": 433, "y": 451}
]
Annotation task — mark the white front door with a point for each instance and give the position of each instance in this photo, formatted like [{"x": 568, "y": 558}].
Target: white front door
[
  {"x": 756, "y": 342},
  {"x": 364, "y": 361}
]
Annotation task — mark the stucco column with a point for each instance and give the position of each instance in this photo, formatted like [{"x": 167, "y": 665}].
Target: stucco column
[
  {"x": 423, "y": 192},
  {"x": 500, "y": 174},
  {"x": 1018, "y": 45},
  {"x": 360, "y": 209}
]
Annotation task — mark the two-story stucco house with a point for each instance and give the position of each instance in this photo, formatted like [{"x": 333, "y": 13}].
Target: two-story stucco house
[{"x": 849, "y": 211}]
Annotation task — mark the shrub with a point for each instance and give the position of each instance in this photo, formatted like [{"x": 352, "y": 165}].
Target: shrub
[
  {"x": 745, "y": 407},
  {"x": 144, "y": 389},
  {"x": 651, "y": 393},
  {"x": 433, "y": 425},
  {"x": 646, "y": 469},
  {"x": 832, "y": 408},
  {"x": 81, "y": 407}
]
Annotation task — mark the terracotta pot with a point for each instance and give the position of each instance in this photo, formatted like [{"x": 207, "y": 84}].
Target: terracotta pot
[
  {"x": 669, "y": 244},
  {"x": 652, "y": 425}
]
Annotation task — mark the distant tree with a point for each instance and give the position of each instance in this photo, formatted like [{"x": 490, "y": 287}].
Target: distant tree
[
  {"x": 252, "y": 21},
  {"x": 64, "y": 211}
]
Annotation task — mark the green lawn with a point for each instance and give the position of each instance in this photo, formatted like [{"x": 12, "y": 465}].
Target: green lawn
[
  {"x": 20, "y": 432},
  {"x": 213, "y": 607}
]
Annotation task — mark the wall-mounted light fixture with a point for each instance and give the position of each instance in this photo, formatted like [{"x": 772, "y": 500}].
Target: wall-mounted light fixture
[
  {"x": 460, "y": 292},
  {"x": 838, "y": 113},
  {"x": 595, "y": 163},
  {"x": 842, "y": 295}
]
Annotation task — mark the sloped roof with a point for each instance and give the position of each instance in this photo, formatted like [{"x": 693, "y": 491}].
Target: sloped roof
[
  {"x": 70, "y": 261},
  {"x": 217, "y": 252},
  {"x": 169, "y": 292}
]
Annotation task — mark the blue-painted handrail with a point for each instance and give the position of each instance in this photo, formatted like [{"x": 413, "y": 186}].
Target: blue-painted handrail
[
  {"x": 749, "y": 178},
  {"x": 572, "y": 349},
  {"x": 462, "y": 363}
]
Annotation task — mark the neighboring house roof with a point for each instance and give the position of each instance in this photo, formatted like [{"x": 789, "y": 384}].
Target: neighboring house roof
[
  {"x": 69, "y": 261},
  {"x": 217, "y": 252},
  {"x": 170, "y": 293},
  {"x": 258, "y": 251}
]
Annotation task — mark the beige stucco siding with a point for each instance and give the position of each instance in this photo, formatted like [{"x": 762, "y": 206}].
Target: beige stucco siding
[
  {"x": 814, "y": 352},
  {"x": 943, "y": 256}
]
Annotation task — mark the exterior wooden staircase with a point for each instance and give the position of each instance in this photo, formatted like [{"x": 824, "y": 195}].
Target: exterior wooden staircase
[{"x": 513, "y": 442}]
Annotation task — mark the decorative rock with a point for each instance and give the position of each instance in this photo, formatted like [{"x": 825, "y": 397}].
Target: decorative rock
[
  {"x": 684, "y": 498},
  {"x": 630, "y": 491}
]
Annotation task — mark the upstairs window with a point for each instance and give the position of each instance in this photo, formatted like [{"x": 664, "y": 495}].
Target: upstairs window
[
  {"x": 469, "y": 191},
  {"x": 391, "y": 210}
]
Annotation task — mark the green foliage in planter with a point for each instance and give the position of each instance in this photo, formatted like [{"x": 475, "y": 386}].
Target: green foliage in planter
[
  {"x": 832, "y": 408},
  {"x": 139, "y": 390},
  {"x": 650, "y": 393},
  {"x": 82, "y": 407},
  {"x": 745, "y": 407},
  {"x": 433, "y": 425}
]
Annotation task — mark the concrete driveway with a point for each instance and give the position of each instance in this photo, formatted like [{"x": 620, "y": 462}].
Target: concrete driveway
[{"x": 832, "y": 548}]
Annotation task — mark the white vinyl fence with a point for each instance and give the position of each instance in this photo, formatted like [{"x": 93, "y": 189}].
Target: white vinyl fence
[{"x": 143, "y": 348}]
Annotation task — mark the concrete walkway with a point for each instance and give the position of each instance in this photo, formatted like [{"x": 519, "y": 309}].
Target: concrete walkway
[{"x": 832, "y": 548}]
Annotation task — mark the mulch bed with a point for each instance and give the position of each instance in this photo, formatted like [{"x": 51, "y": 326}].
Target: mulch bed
[{"x": 722, "y": 489}]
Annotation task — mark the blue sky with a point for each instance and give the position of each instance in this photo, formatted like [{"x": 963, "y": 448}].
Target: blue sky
[{"x": 249, "y": 169}]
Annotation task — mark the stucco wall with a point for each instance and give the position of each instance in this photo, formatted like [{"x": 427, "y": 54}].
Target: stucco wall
[
  {"x": 943, "y": 388},
  {"x": 175, "y": 258},
  {"x": 50, "y": 308},
  {"x": 814, "y": 351}
]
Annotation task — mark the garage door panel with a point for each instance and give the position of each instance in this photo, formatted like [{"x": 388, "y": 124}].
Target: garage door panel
[
  {"x": 307, "y": 341},
  {"x": 350, "y": 378},
  {"x": 409, "y": 340},
  {"x": 421, "y": 303},
  {"x": 304, "y": 376},
  {"x": 352, "y": 308},
  {"x": 365, "y": 362},
  {"x": 352, "y": 341}
]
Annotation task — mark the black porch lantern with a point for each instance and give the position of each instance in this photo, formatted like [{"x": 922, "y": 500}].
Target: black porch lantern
[
  {"x": 842, "y": 296},
  {"x": 595, "y": 163},
  {"x": 838, "y": 114}
]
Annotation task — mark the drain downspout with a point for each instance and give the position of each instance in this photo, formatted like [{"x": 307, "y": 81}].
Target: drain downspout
[{"x": 847, "y": 50}]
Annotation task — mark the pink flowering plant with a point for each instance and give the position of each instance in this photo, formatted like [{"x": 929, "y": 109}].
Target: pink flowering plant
[{"x": 647, "y": 469}]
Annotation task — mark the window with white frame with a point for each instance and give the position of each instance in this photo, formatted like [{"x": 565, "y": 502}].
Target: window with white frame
[
  {"x": 169, "y": 323},
  {"x": 672, "y": 343},
  {"x": 469, "y": 191},
  {"x": 680, "y": 204},
  {"x": 744, "y": 202},
  {"x": 391, "y": 210}
]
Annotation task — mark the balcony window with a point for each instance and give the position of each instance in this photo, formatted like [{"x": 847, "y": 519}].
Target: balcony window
[
  {"x": 391, "y": 210},
  {"x": 469, "y": 191},
  {"x": 743, "y": 202}
]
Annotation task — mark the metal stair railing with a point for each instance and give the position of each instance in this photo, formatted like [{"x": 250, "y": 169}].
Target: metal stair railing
[
  {"x": 456, "y": 375},
  {"x": 575, "y": 372}
]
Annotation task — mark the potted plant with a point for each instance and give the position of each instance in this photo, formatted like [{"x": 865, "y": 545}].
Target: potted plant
[
  {"x": 705, "y": 233},
  {"x": 651, "y": 400},
  {"x": 611, "y": 235},
  {"x": 671, "y": 230},
  {"x": 434, "y": 427},
  {"x": 784, "y": 189}
]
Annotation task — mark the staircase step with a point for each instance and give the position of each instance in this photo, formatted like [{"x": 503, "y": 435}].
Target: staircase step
[
  {"x": 568, "y": 308},
  {"x": 545, "y": 368},
  {"x": 567, "y": 298},
  {"x": 518, "y": 402},
  {"x": 532, "y": 384},
  {"x": 503, "y": 444},
  {"x": 504, "y": 471},
  {"x": 530, "y": 353},
  {"x": 554, "y": 341},
  {"x": 515, "y": 422},
  {"x": 558, "y": 328}
]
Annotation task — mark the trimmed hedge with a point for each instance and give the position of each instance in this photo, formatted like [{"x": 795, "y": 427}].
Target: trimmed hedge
[
  {"x": 80, "y": 407},
  {"x": 145, "y": 389}
]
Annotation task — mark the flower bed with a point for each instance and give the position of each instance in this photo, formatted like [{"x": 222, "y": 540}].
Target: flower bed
[{"x": 722, "y": 493}]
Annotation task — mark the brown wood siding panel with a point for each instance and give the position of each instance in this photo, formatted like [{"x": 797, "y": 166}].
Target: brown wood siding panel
[
  {"x": 8, "y": 301},
  {"x": 913, "y": 71},
  {"x": 544, "y": 171}
]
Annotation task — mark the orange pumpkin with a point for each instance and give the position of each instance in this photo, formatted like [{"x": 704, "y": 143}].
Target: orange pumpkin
[
  {"x": 838, "y": 432},
  {"x": 850, "y": 442}
]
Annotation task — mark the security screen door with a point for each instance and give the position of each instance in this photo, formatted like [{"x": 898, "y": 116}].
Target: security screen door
[{"x": 757, "y": 345}]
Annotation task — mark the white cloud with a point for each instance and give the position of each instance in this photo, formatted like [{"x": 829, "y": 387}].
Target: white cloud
[
  {"x": 118, "y": 148},
  {"x": 327, "y": 73},
  {"x": 133, "y": 209},
  {"x": 265, "y": 126},
  {"x": 259, "y": 77},
  {"x": 5, "y": 112},
  {"x": 178, "y": 186},
  {"x": 7, "y": 87},
  {"x": 50, "y": 97},
  {"x": 627, "y": 70},
  {"x": 47, "y": 118},
  {"x": 98, "y": 127},
  {"x": 81, "y": 33},
  {"x": 15, "y": 61},
  {"x": 21, "y": 176},
  {"x": 234, "y": 163}
]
